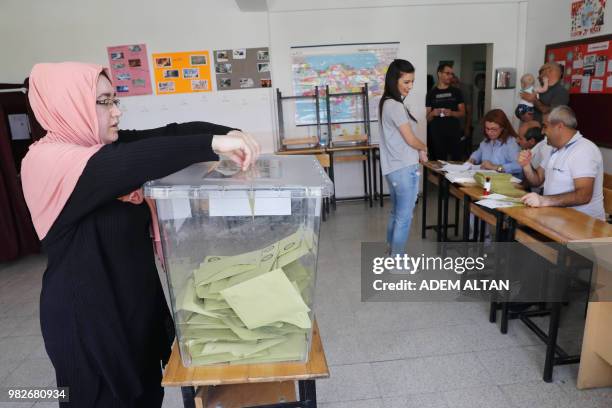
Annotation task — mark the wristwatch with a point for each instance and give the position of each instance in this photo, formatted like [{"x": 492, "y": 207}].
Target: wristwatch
[{"x": 500, "y": 169}]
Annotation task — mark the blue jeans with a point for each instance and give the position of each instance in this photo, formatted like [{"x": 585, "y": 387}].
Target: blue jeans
[{"x": 404, "y": 187}]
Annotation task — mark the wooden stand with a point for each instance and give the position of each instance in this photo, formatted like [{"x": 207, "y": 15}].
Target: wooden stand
[{"x": 249, "y": 385}]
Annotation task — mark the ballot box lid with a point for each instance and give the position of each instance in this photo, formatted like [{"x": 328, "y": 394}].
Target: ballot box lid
[{"x": 302, "y": 176}]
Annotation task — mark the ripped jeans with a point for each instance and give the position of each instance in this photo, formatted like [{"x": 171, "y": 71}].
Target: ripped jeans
[{"x": 404, "y": 188}]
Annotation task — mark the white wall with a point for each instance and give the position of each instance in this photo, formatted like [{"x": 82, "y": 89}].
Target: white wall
[{"x": 548, "y": 22}]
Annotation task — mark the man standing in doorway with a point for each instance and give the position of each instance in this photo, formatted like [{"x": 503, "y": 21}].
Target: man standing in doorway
[
  {"x": 556, "y": 95},
  {"x": 445, "y": 107}
]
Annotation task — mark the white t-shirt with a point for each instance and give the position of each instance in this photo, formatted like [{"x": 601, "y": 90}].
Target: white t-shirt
[
  {"x": 578, "y": 158},
  {"x": 540, "y": 153}
]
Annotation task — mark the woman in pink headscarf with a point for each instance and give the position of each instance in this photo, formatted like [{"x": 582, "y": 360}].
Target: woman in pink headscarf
[{"x": 103, "y": 314}]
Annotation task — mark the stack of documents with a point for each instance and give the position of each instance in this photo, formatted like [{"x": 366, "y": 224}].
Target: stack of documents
[
  {"x": 499, "y": 201},
  {"x": 249, "y": 308}
]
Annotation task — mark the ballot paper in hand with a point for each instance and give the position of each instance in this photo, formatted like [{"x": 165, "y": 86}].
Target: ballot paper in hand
[{"x": 266, "y": 299}]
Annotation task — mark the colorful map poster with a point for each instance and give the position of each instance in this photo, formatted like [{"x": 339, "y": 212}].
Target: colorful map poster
[
  {"x": 345, "y": 68},
  {"x": 129, "y": 66},
  {"x": 587, "y": 17},
  {"x": 182, "y": 72}
]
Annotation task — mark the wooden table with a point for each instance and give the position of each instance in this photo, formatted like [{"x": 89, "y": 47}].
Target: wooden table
[
  {"x": 559, "y": 225},
  {"x": 211, "y": 380}
]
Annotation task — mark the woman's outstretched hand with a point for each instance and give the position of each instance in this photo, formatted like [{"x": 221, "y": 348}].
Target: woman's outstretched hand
[{"x": 238, "y": 146}]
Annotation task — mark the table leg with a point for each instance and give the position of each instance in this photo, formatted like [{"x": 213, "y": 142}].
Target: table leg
[
  {"x": 424, "y": 209},
  {"x": 188, "y": 396},
  {"x": 445, "y": 191},
  {"x": 382, "y": 190},
  {"x": 555, "y": 316},
  {"x": 308, "y": 393},
  {"x": 439, "y": 220},
  {"x": 368, "y": 154},
  {"x": 365, "y": 179},
  {"x": 456, "y": 216},
  {"x": 331, "y": 176},
  {"x": 466, "y": 218},
  {"x": 374, "y": 175}
]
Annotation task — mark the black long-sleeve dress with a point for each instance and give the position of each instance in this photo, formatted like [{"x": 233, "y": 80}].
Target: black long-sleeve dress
[{"x": 104, "y": 319}]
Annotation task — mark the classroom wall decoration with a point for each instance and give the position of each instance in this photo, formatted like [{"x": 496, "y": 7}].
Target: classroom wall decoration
[
  {"x": 588, "y": 76},
  {"x": 242, "y": 68},
  {"x": 345, "y": 68},
  {"x": 587, "y": 66},
  {"x": 129, "y": 67},
  {"x": 182, "y": 72},
  {"x": 587, "y": 17}
]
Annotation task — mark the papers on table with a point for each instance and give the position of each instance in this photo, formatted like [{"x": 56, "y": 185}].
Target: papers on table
[
  {"x": 251, "y": 307},
  {"x": 499, "y": 201},
  {"x": 457, "y": 168},
  {"x": 467, "y": 176}
]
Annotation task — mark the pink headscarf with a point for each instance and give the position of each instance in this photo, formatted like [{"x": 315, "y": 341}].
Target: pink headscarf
[{"x": 63, "y": 99}]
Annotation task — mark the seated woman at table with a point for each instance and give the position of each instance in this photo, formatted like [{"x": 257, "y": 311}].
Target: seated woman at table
[{"x": 499, "y": 150}]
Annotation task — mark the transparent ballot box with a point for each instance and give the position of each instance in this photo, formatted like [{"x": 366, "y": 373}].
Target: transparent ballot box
[{"x": 240, "y": 254}]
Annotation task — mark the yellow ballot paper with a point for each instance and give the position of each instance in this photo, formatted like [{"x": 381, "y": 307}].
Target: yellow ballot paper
[
  {"x": 241, "y": 349},
  {"x": 246, "y": 334},
  {"x": 266, "y": 299},
  {"x": 189, "y": 302},
  {"x": 294, "y": 348}
]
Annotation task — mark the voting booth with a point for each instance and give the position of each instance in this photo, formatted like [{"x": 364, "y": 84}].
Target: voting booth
[{"x": 240, "y": 254}]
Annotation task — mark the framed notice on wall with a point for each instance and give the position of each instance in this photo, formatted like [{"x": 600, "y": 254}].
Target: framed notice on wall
[{"x": 587, "y": 74}]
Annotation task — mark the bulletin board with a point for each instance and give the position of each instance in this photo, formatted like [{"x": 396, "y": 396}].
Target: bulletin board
[
  {"x": 182, "y": 72},
  {"x": 242, "y": 68},
  {"x": 587, "y": 74}
]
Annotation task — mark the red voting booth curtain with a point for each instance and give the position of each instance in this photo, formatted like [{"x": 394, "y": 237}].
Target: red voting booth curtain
[{"x": 17, "y": 235}]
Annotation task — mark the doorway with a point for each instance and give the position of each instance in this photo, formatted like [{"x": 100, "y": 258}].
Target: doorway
[{"x": 471, "y": 64}]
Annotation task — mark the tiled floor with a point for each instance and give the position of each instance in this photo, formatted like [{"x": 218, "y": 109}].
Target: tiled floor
[{"x": 381, "y": 355}]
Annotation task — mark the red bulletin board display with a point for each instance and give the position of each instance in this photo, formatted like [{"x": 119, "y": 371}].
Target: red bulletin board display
[{"x": 587, "y": 74}]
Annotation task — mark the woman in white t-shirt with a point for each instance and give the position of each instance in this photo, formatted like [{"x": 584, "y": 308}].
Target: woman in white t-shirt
[{"x": 400, "y": 152}]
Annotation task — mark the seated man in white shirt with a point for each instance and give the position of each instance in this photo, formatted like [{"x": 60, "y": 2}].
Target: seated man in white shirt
[{"x": 573, "y": 174}]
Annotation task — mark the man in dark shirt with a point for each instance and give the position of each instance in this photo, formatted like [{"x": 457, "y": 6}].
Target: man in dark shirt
[
  {"x": 556, "y": 94},
  {"x": 445, "y": 108}
]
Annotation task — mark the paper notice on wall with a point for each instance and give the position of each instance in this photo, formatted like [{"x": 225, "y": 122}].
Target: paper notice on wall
[
  {"x": 578, "y": 63},
  {"x": 599, "y": 46},
  {"x": 600, "y": 68},
  {"x": 597, "y": 85},
  {"x": 586, "y": 83},
  {"x": 130, "y": 69}
]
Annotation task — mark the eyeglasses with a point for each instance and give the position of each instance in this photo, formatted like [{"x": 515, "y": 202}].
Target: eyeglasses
[{"x": 109, "y": 102}]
